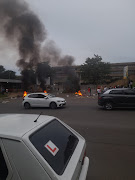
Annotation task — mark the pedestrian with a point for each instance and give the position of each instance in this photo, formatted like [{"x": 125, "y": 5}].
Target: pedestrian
[
  {"x": 131, "y": 84},
  {"x": 105, "y": 88},
  {"x": 89, "y": 91},
  {"x": 3, "y": 90},
  {"x": 99, "y": 90}
]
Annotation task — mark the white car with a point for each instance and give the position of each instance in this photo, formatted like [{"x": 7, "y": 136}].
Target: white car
[
  {"x": 38, "y": 147},
  {"x": 43, "y": 100}
]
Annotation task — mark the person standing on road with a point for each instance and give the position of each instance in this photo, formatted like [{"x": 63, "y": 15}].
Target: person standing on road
[
  {"x": 99, "y": 90},
  {"x": 89, "y": 91}
]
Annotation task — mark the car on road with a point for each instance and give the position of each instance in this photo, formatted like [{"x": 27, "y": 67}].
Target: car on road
[
  {"x": 43, "y": 100},
  {"x": 39, "y": 147},
  {"x": 118, "y": 97}
]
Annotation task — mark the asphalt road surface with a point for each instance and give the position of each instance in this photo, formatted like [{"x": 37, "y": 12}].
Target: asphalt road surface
[{"x": 110, "y": 135}]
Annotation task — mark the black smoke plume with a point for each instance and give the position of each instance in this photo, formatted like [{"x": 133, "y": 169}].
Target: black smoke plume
[
  {"x": 72, "y": 82},
  {"x": 20, "y": 24},
  {"x": 52, "y": 54}
]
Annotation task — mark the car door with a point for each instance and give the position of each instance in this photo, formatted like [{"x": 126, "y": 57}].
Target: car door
[
  {"x": 118, "y": 97},
  {"x": 42, "y": 100},
  {"x": 7, "y": 171},
  {"x": 33, "y": 100},
  {"x": 130, "y": 97}
]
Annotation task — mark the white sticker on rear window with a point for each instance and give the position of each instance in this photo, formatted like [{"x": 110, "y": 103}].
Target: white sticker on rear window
[{"x": 52, "y": 148}]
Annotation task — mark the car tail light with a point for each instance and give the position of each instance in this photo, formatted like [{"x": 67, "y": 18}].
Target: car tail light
[{"x": 84, "y": 157}]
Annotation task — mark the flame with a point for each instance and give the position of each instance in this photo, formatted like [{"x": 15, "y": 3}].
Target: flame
[
  {"x": 78, "y": 93},
  {"x": 24, "y": 94},
  {"x": 45, "y": 91}
]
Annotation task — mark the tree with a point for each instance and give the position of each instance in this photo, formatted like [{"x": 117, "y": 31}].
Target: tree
[
  {"x": 7, "y": 74},
  {"x": 94, "y": 71},
  {"x": 2, "y": 69},
  {"x": 43, "y": 72}
]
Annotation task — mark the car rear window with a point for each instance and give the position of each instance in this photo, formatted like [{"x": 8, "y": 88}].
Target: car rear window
[{"x": 56, "y": 144}]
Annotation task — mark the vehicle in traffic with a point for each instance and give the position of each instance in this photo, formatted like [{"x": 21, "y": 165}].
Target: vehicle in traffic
[
  {"x": 39, "y": 147},
  {"x": 43, "y": 100},
  {"x": 118, "y": 97}
]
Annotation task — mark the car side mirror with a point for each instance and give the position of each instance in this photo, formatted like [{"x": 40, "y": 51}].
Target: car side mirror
[{"x": 46, "y": 97}]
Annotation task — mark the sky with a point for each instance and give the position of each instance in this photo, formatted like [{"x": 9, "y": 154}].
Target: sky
[{"x": 82, "y": 28}]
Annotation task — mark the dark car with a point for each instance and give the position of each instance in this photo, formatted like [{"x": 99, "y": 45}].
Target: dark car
[{"x": 118, "y": 97}]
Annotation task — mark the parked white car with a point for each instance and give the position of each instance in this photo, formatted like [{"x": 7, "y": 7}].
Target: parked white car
[
  {"x": 43, "y": 100},
  {"x": 38, "y": 147}
]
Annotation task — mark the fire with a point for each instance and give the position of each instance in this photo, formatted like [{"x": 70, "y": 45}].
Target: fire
[
  {"x": 79, "y": 93},
  {"x": 45, "y": 91},
  {"x": 24, "y": 94}
]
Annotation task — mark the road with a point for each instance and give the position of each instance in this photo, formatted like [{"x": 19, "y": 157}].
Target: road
[{"x": 110, "y": 135}]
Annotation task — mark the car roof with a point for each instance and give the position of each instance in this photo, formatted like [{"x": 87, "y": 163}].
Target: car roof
[
  {"x": 38, "y": 93},
  {"x": 14, "y": 126},
  {"x": 118, "y": 89}
]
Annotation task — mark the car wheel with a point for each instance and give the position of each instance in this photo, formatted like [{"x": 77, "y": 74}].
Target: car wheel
[
  {"x": 108, "y": 106},
  {"x": 53, "y": 105},
  {"x": 27, "y": 105}
]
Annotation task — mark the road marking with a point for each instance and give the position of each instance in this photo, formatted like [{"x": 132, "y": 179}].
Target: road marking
[{"x": 4, "y": 102}]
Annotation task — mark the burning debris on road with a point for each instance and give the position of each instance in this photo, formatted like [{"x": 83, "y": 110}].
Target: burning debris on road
[
  {"x": 78, "y": 93},
  {"x": 24, "y": 94}
]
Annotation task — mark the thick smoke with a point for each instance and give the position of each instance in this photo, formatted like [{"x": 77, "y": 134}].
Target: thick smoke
[
  {"x": 52, "y": 54},
  {"x": 20, "y": 24},
  {"x": 66, "y": 61}
]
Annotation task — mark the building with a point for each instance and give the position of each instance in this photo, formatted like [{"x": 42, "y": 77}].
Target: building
[
  {"x": 62, "y": 72},
  {"x": 116, "y": 72},
  {"x": 10, "y": 84},
  {"x": 117, "y": 69}
]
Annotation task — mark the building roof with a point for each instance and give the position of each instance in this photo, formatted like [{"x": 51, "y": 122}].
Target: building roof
[
  {"x": 14, "y": 126},
  {"x": 10, "y": 80},
  {"x": 123, "y": 64}
]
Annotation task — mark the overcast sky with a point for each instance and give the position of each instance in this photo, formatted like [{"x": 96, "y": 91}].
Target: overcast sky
[{"x": 82, "y": 28}]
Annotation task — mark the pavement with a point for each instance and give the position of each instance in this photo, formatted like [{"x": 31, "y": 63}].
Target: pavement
[{"x": 110, "y": 135}]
